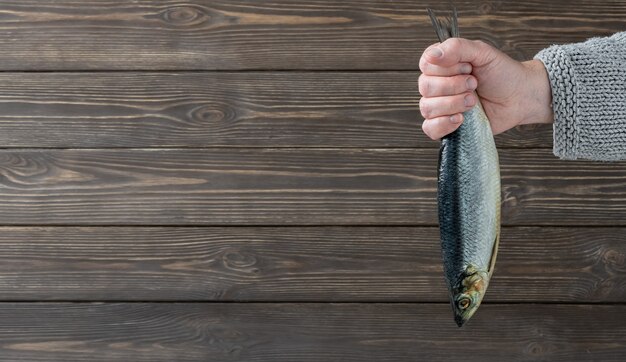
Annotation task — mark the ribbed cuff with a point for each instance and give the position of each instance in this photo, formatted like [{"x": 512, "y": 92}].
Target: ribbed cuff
[{"x": 564, "y": 100}]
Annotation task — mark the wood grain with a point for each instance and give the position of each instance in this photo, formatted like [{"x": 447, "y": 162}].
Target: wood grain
[
  {"x": 256, "y": 167},
  {"x": 347, "y": 264},
  {"x": 276, "y": 34},
  {"x": 288, "y": 187},
  {"x": 309, "y": 332},
  {"x": 198, "y": 109}
]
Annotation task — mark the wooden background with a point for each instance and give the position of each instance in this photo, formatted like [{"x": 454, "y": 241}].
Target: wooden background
[{"x": 248, "y": 181}]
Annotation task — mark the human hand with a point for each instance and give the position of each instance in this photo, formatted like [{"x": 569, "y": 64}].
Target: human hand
[{"x": 511, "y": 92}]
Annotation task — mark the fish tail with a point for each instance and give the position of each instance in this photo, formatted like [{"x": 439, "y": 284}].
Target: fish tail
[{"x": 447, "y": 27}]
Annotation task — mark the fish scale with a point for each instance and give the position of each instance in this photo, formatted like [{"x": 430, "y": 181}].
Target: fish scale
[
  {"x": 467, "y": 216},
  {"x": 469, "y": 202}
]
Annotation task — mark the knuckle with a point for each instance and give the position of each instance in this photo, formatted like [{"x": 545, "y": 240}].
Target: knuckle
[
  {"x": 454, "y": 44},
  {"x": 427, "y": 129},
  {"x": 479, "y": 43},
  {"x": 483, "y": 47},
  {"x": 423, "y": 85},
  {"x": 423, "y": 64},
  {"x": 424, "y": 108}
]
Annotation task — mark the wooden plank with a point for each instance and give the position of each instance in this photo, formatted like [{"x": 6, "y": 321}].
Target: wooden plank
[
  {"x": 309, "y": 332},
  {"x": 276, "y": 34},
  {"x": 288, "y": 187},
  {"x": 389, "y": 264},
  {"x": 275, "y": 109}
]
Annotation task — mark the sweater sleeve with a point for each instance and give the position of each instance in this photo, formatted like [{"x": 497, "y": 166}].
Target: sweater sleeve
[{"x": 588, "y": 82}]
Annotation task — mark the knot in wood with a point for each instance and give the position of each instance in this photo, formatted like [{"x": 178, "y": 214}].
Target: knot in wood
[
  {"x": 614, "y": 257},
  {"x": 536, "y": 349},
  {"x": 489, "y": 7},
  {"x": 184, "y": 15},
  {"x": 211, "y": 114},
  {"x": 238, "y": 259}
]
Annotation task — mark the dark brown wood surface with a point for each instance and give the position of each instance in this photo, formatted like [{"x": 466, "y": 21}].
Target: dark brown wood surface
[
  {"x": 246, "y": 180},
  {"x": 289, "y": 187},
  {"x": 308, "y": 332},
  {"x": 276, "y": 34},
  {"x": 369, "y": 264},
  {"x": 200, "y": 109}
]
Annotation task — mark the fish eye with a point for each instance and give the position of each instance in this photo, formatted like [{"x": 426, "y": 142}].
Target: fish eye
[{"x": 464, "y": 303}]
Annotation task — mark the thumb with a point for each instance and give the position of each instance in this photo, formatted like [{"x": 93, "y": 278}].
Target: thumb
[{"x": 459, "y": 50}]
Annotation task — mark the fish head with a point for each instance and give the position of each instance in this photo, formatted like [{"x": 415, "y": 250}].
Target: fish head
[{"x": 468, "y": 294}]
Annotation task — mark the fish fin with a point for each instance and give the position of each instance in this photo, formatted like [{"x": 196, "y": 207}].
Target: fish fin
[
  {"x": 447, "y": 27},
  {"x": 494, "y": 254}
]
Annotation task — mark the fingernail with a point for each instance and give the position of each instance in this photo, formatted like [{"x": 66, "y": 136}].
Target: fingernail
[
  {"x": 471, "y": 83},
  {"x": 469, "y": 100},
  {"x": 466, "y": 69},
  {"x": 455, "y": 118},
  {"x": 435, "y": 53}
]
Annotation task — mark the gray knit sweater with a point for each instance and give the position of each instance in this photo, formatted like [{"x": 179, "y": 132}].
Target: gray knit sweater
[{"x": 588, "y": 83}]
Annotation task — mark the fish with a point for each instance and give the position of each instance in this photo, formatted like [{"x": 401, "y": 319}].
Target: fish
[{"x": 468, "y": 199}]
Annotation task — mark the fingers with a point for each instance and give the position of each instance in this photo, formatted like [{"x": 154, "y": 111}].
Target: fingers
[
  {"x": 443, "y": 115},
  {"x": 458, "y": 50},
  {"x": 436, "y": 128},
  {"x": 433, "y": 69},
  {"x": 432, "y": 86},
  {"x": 446, "y": 84},
  {"x": 433, "y": 107}
]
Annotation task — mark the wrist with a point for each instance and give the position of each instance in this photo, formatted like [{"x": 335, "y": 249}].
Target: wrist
[{"x": 539, "y": 94}]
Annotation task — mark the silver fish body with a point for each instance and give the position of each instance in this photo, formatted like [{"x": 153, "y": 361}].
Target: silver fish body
[
  {"x": 469, "y": 211},
  {"x": 469, "y": 205}
]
